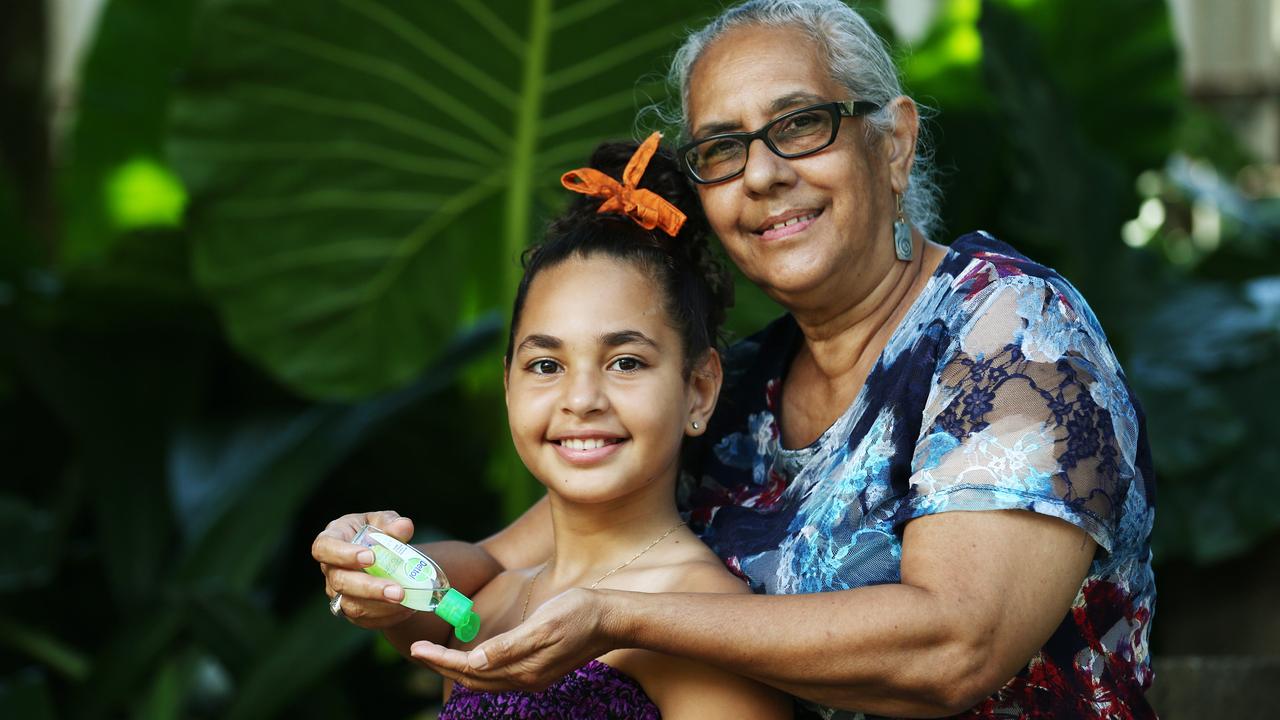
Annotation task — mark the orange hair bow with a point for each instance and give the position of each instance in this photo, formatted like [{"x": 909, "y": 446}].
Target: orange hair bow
[{"x": 646, "y": 207}]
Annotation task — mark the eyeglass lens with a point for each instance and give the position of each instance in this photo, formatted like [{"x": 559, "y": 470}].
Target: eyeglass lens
[{"x": 791, "y": 135}]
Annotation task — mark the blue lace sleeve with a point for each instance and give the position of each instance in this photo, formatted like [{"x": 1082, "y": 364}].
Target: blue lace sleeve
[{"x": 1028, "y": 410}]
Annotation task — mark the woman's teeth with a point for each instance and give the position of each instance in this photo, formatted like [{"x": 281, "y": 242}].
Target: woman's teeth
[
  {"x": 793, "y": 221},
  {"x": 591, "y": 444}
]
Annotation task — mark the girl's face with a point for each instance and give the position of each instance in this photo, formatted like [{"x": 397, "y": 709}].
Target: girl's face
[
  {"x": 596, "y": 395},
  {"x": 839, "y": 201}
]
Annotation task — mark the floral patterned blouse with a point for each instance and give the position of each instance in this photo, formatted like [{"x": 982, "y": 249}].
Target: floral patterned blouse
[{"x": 997, "y": 391}]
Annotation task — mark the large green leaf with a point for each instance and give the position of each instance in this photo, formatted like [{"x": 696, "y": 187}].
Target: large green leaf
[{"x": 364, "y": 178}]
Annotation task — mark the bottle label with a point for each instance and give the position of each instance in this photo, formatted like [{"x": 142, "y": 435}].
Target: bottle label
[{"x": 401, "y": 562}]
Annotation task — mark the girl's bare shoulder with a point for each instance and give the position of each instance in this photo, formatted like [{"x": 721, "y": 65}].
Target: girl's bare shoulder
[{"x": 695, "y": 568}]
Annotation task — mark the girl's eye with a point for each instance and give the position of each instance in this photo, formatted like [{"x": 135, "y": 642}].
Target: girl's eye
[
  {"x": 627, "y": 364},
  {"x": 544, "y": 367}
]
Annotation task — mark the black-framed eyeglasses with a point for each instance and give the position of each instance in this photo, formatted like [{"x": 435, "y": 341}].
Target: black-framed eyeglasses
[{"x": 796, "y": 134}]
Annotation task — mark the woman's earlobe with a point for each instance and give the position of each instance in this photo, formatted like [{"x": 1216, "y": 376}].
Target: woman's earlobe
[{"x": 903, "y": 138}]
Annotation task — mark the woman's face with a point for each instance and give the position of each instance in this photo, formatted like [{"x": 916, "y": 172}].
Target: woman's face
[
  {"x": 841, "y": 198},
  {"x": 597, "y": 397}
]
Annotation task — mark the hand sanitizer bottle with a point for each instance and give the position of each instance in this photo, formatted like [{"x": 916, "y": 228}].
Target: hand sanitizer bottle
[{"x": 425, "y": 585}]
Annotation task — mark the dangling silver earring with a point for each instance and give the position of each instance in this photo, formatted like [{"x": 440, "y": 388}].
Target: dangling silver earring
[
  {"x": 695, "y": 424},
  {"x": 902, "y": 244}
]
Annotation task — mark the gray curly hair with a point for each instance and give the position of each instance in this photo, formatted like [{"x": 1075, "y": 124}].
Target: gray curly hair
[{"x": 856, "y": 57}]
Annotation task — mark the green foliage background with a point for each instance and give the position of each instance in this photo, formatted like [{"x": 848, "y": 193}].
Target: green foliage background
[{"x": 262, "y": 282}]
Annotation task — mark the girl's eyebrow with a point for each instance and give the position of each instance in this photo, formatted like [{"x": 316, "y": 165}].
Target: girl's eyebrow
[
  {"x": 627, "y": 337},
  {"x": 611, "y": 339},
  {"x": 540, "y": 342}
]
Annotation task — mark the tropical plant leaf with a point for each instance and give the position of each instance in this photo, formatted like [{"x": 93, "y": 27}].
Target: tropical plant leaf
[
  {"x": 308, "y": 647},
  {"x": 232, "y": 485},
  {"x": 43, "y": 647},
  {"x": 124, "y": 664},
  {"x": 364, "y": 178},
  {"x": 167, "y": 697},
  {"x": 232, "y": 625}
]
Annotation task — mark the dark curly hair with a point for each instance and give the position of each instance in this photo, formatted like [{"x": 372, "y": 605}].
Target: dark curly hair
[{"x": 697, "y": 289}]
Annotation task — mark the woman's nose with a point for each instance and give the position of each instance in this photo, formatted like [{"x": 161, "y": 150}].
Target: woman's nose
[
  {"x": 584, "y": 393},
  {"x": 765, "y": 170}
]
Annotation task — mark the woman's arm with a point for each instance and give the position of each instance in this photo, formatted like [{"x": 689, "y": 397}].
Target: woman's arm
[
  {"x": 689, "y": 689},
  {"x": 981, "y": 592},
  {"x": 373, "y": 603}
]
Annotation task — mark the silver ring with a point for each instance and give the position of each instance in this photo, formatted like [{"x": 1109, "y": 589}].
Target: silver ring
[{"x": 335, "y": 606}]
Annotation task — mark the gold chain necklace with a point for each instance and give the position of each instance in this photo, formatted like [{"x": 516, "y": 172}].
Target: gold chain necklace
[{"x": 524, "y": 611}]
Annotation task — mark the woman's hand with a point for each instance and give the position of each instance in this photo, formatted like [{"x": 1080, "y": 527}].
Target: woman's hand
[
  {"x": 367, "y": 601},
  {"x": 564, "y": 633}
]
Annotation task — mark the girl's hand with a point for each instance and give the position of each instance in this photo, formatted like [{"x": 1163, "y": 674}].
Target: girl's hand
[
  {"x": 562, "y": 635},
  {"x": 367, "y": 601}
]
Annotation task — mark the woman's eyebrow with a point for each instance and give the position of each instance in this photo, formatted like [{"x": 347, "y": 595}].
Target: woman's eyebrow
[
  {"x": 714, "y": 128},
  {"x": 784, "y": 102},
  {"x": 627, "y": 337},
  {"x": 799, "y": 97}
]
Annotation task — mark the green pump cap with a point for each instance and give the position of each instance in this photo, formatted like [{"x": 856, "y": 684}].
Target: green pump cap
[{"x": 455, "y": 609}]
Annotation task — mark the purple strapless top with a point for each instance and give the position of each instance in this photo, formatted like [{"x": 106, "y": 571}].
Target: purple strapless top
[{"x": 594, "y": 691}]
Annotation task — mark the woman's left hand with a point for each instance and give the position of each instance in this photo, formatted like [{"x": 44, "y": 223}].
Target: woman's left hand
[{"x": 563, "y": 634}]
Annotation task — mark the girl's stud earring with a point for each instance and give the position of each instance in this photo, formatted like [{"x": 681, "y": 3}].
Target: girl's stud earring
[{"x": 695, "y": 424}]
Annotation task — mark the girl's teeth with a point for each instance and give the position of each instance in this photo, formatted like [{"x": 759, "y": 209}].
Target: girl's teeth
[{"x": 580, "y": 444}]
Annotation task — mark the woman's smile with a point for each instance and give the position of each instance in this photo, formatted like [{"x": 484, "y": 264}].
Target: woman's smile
[{"x": 787, "y": 224}]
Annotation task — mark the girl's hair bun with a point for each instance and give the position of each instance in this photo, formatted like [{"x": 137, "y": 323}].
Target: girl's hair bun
[{"x": 697, "y": 289}]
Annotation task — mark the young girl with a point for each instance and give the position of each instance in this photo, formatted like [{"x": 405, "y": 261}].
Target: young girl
[{"x": 610, "y": 363}]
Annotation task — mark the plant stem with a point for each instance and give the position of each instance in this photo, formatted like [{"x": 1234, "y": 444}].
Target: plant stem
[
  {"x": 44, "y": 648},
  {"x": 520, "y": 189}
]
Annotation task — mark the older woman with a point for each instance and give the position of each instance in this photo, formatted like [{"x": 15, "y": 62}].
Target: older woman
[{"x": 931, "y": 466}]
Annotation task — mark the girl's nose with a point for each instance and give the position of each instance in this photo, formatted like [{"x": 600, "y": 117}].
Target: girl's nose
[{"x": 584, "y": 393}]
